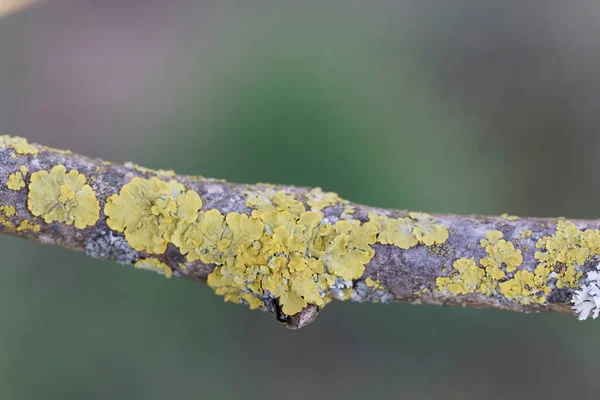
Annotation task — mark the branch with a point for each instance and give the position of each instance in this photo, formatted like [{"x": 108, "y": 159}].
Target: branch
[{"x": 290, "y": 250}]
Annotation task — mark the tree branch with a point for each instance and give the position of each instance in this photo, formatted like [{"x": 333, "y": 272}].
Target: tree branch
[{"x": 298, "y": 248}]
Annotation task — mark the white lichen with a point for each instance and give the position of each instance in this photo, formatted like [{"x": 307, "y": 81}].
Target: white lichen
[
  {"x": 587, "y": 300},
  {"x": 363, "y": 293},
  {"x": 338, "y": 287},
  {"x": 107, "y": 245}
]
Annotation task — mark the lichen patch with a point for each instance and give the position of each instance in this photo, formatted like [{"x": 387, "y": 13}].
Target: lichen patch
[
  {"x": 15, "y": 181},
  {"x": 147, "y": 212},
  {"x": 28, "y": 226},
  {"x": 7, "y": 212},
  {"x": 408, "y": 232},
  {"x": 154, "y": 265},
  {"x": 61, "y": 196},
  {"x": 20, "y": 145},
  {"x": 318, "y": 200}
]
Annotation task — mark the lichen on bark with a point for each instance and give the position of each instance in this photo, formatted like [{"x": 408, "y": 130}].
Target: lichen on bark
[{"x": 285, "y": 249}]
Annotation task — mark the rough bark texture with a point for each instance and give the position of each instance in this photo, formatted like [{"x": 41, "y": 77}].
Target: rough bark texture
[{"x": 407, "y": 275}]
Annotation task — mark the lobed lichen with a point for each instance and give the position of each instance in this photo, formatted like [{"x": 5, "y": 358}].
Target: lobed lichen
[
  {"x": 272, "y": 200},
  {"x": 280, "y": 251},
  {"x": 200, "y": 239},
  {"x": 526, "y": 234},
  {"x": 508, "y": 217},
  {"x": 318, "y": 200},
  {"x": 489, "y": 279},
  {"x": 524, "y": 286},
  {"x": 58, "y": 196},
  {"x": 560, "y": 259},
  {"x": 500, "y": 252},
  {"x": 586, "y": 301},
  {"x": 286, "y": 253},
  {"x": 469, "y": 278},
  {"x": 20, "y": 145},
  {"x": 28, "y": 226},
  {"x": 147, "y": 211},
  {"x": 16, "y": 180},
  {"x": 408, "y": 232},
  {"x": 566, "y": 251},
  {"x": 159, "y": 172},
  {"x": 154, "y": 265},
  {"x": 374, "y": 284},
  {"x": 5, "y": 213},
  {"x": 527, "y": 287}
]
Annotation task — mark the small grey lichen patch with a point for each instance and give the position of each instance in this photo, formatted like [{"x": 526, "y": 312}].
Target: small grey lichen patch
[
  {"x": 363, "y": 293},
  {"x": 45, "y": 239},
  {"x": 337, "y": 289},
  {"x": 107, "y": 245},
  {"x": 587, "y": 300}
]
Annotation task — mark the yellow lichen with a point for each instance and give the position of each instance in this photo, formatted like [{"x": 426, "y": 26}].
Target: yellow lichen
[
  {"x": 509, "y": 217},
  {"x": 374, "y": 284},
  {"x": 7, "y": 211},
  {"x": 318, "y": 200},
  {"x": 293, "y": 258},
  {"x": 470, "y": 278},
  {"x": 15, "y": 181},
  {"x": 18, "y": 144},
  {"x": 526, "y": 234},
  {"x": 348, "y": 252},
  {"x": 559, "y": 257},
  {"x": 408, "y": 232},
  {"x": 349, "y": 210},
  {"x": 199, "y": 240},
  {"x": 499, "y": 252},
  {"x": 566, "y": 250},
  {"x": 58, "y": 196},
  {"x": 491, "y": 238},
  {"x": 28, "y": 226},
  {"x": 527, "y": 287},
  {"x": 398, "y": 232},
  {"x": 569, "y": 277},
  {"x": 282, "y": 251},
  {"x": 427, "y": 230},
  {"x": 155, "y": 265},
  {"x": 148, "y": 211},
  {"x": 568, "y": 245},
  {"x": 159, "y": 172},
  {"x": 272, "y": 200}
]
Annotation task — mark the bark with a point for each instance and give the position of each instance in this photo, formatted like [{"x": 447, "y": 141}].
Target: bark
[{"x": 407, "y": 275}]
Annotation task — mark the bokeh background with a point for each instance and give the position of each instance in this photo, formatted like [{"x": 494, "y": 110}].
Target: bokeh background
[{"x": 440, "y": 106}]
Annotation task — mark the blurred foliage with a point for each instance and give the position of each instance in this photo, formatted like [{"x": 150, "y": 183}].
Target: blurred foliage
[{"x": 394, "y": 104}]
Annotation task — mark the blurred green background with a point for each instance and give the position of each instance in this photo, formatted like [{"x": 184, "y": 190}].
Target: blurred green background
[{"x": 441, "y": 106}]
